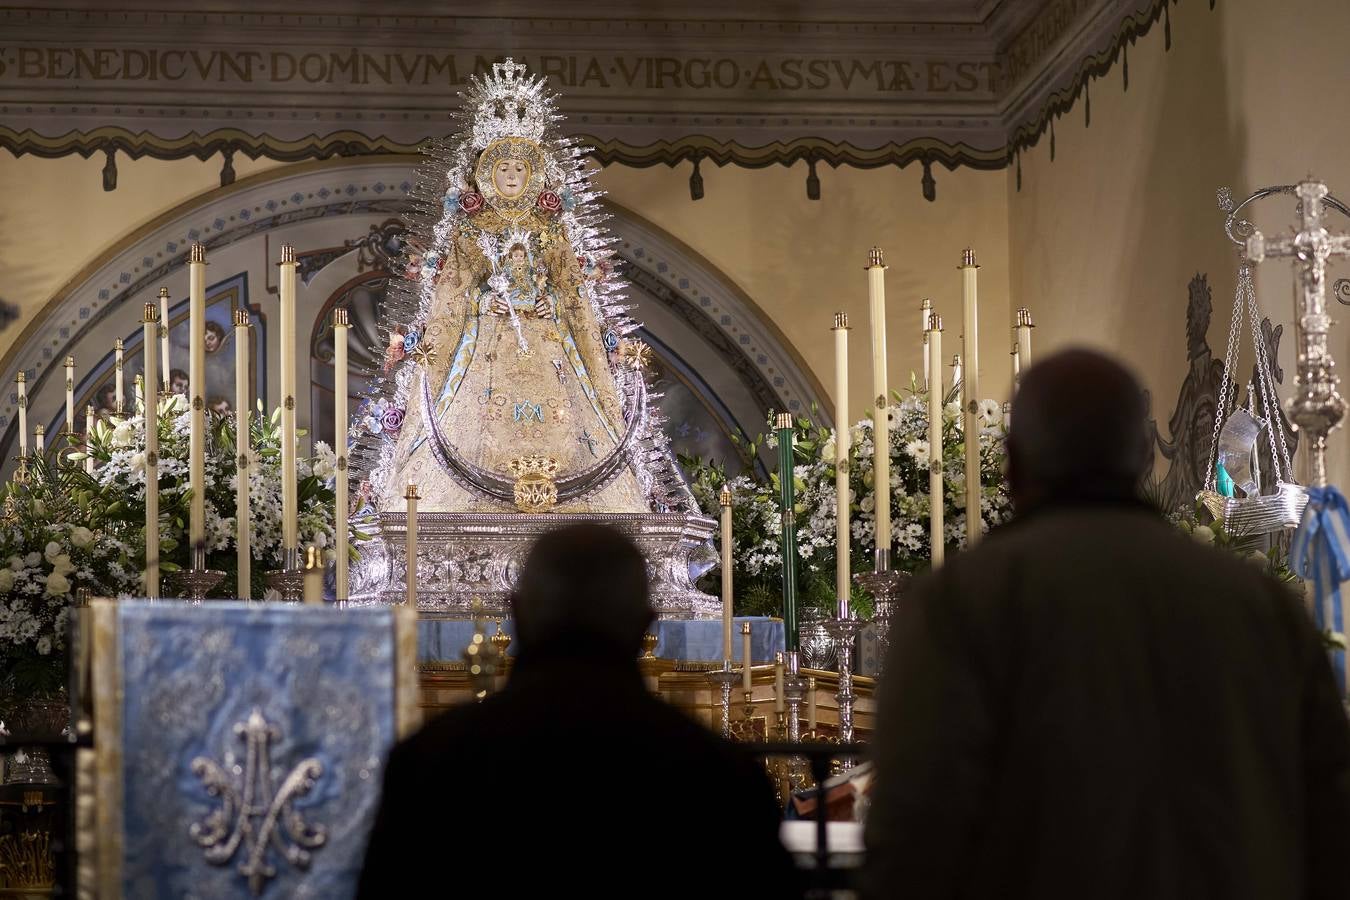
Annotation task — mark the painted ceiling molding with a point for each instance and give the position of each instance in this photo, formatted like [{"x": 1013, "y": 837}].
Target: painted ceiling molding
[{"x": 956, "y": 83}]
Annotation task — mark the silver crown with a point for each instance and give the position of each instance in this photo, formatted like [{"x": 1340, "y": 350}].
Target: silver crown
[{"x": 508, "y": 103}]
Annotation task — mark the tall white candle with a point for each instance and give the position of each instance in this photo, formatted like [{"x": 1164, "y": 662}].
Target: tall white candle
[
  {"x": 1024, "y": 326},
  {"x": 925, "y": 310},
  {"x": 119, "y": 389},
  {"x": 39, "y": 439},
  {"x": 150, "y": 328},
  {"x": 197, "y": 393},
  {"x": 244, "y": 460},
  {"x": 881, "y": 451},
  {"x": 725, "y": 500},
  {"x": 70, "y": 395},
  {"x": 88, "y": 433},
  {"x": 340, "y": 446},
  {"x": 842, "y": 437},
  {"x": 746, "y": 652},
  {"x": 935, "y": 457},
  {"x": 21, "y": 382},
  {"x": 163, "y": 331},
  {"x": 970, "y": 340},
  {"x": 1016, "y": 361},
  {"x": 289, "y": 526},
  {"x": 411, "y": 548},
  {"x": 138, "y": 393}
]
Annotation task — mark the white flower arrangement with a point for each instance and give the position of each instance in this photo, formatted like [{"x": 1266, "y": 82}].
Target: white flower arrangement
[{"x": 757, "y": 518}]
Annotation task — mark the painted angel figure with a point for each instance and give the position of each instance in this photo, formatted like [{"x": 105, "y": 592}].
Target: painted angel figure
[{"x": 513, "y": 358}]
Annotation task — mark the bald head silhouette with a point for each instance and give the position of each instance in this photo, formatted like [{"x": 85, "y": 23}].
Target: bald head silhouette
[
  {"x": 584, "y": 585},
  {"x": 1078, "y": 432}
]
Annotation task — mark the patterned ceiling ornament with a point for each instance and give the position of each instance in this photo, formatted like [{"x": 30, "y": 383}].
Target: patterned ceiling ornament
[{"x": 256, "y": 813}]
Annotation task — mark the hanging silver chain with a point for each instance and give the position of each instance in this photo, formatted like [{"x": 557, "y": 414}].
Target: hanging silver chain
[
  {"x": 1284, "y": 471},
  {"x": 1221, "y": 403}
]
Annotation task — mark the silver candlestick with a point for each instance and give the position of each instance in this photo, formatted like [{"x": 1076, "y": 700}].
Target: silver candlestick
[
  {"x": 794, "y": 689},
  {"x": 199, "y": 580},
  {"x": 289, "y": 580},
  {"x": 885, "y": 585},
  {"x": 845, "y": 632},
  {"x": 725, "y": 677}
]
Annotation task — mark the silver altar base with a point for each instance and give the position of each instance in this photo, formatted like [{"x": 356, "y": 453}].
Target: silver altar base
[{"x": 463, "y": 557}]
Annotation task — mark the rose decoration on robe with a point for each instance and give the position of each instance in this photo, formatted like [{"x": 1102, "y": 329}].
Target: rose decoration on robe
[
  {"x": 471, "y": 202},
  {"x": 411, "y": 340},
  {"x": 550, "y": 202},
  {"x": 373, "y": 418},
  {"x": 392, "y": 421}
]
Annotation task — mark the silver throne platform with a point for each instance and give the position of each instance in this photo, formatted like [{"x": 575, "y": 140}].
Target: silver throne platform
[{"x": 468, "y": 557}]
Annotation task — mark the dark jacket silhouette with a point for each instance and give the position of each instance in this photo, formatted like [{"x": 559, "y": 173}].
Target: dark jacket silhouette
[
  {"x": 576, "y": 779},
  {"x": 1091, "y": 705}
]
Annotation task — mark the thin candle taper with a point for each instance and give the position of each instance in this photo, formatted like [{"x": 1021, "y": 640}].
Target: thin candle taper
[
  {"x": 119, "y": 387},
  {"x": 163, "y": 331},
  {"x": 746, "y": 674},
  {"x": 411, "y": 547},
  {"x": 244, "y": 454},
  {"x": 150, "y": 328},
  {"x": 70, "y": 394},
  {"x": 842, "y": 494},
  {"x": 970, "y": 341},
  {"x": 881, "y": 458},
  {"x": 197, "y": 395},
  {"x": 936, "y": 524},
  {"x": 340, "y": 447},
  {"x": 286, "y": 296},
  {"x": 726, "y": 548},
  {"x": 21, "y": 382}
]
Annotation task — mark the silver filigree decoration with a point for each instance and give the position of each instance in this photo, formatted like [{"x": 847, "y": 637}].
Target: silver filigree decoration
[
  {"x": 255, "y": 812},
  {"x": 508, "y": 103},
  {"x": 1340, "y": 288}
]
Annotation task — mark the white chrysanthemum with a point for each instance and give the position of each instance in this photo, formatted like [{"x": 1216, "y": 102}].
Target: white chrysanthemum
[
  {"x": 991, "y": 412},
  {"x": 919, "y": 450}
]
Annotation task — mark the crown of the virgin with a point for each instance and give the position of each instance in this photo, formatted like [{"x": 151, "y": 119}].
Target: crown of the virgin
[{"x": 508, "y": 103}]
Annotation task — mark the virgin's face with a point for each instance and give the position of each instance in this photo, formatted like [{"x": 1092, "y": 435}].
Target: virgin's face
[{"x": 509, "y": 176}]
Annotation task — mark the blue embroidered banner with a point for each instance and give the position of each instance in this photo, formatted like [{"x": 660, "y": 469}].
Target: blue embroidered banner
[{"x": 252, "y": 746}]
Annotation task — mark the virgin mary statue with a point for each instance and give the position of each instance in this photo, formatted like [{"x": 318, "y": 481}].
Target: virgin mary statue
[{"x": 511, "y": 382}]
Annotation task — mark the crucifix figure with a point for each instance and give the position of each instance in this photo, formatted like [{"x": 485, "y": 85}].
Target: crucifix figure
[{"x": 1317, "y": 407}]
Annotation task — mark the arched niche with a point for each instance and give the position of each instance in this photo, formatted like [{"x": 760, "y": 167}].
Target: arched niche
[{"x": 720, "y": 362}]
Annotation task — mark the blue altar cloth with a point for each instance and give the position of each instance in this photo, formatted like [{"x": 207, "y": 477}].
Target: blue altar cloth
[
  {"x": 206, "y": 716},
  {"x": 444, "y": 640}
]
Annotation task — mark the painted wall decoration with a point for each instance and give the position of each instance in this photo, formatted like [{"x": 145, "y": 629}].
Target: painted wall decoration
[{"x": 97, "y": 388}]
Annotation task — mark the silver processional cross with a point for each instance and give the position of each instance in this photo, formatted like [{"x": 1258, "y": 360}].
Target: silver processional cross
[{"x": 1317, "y": 407}]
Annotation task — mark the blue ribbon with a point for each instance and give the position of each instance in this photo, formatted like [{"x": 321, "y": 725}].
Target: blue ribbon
[{"x": 1321, "y": 552}]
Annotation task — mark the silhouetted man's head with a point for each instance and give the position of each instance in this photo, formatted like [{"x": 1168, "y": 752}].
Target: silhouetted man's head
[
  {"x": 1078, "y": 431},
  {"x": 585, "y": 585}
]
